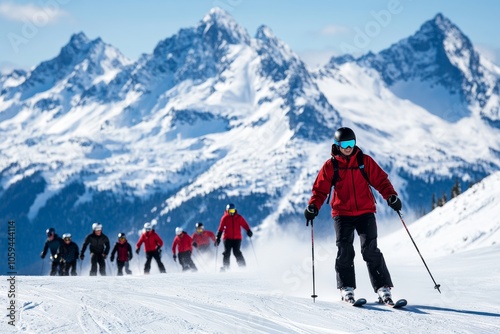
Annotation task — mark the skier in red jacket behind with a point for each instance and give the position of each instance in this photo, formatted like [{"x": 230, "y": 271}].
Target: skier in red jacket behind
[
  {"x": 152, "y": 246},
  {"x": 182, "y": 246},
  {"x": 231, "y": 224},
  {"x": 353, "y": 208},
  {"x": 203, "y": 239}
]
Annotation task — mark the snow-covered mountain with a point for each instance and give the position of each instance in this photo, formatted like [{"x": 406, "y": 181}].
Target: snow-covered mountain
[
  {"x": 439, "y": 69},
  {"x": 214, "y": 115}
]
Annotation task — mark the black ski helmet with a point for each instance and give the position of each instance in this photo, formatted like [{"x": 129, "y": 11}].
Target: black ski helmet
[
  {"x": 230, "y": 206},
  {"x": 122, "y": 235},
  {"x": 199, "y": 225},
  {"x": 343, "y": 134},
  {"x": 50, "y": 231}
]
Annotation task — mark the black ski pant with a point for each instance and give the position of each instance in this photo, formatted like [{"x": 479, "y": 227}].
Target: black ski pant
[
  {"x": 149, "y": 256},
  {"x": 120, "y": 265},
  {"x": 69, "y": 267},
  {"x": 366, "y": 227},
  {"x": 234, "y": 245},
  {"x": 56, "y": 268},
  {"x": 96, "y": 259},
  {"x": 127, "y": 268},
  {"x": 186, "y": 262}
]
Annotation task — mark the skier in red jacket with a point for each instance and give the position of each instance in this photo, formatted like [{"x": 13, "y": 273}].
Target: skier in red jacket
[
  {"x": 353, "y": 208},
  {"x": 182, "y": 246},
  {"x": 152, "y": 246},
  {"x": 203, "y": 239},
  {"x": 231, "y": 224},
  {"x": 124, "y": 254}
]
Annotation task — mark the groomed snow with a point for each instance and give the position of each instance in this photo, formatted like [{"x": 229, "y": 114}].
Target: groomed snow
[
  {"x": 272, "y": 294},
  {"x": 265, "y": 299}
]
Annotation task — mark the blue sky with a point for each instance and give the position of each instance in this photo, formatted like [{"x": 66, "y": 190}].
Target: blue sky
[{"x": 34, "y": 31}]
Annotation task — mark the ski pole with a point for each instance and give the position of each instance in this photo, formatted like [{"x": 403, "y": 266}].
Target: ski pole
[
  {"x": 254, "y": 254},
  {"x": 216, "y": 252},
  {"x": 314, "y": 295},
  {"x": 199, "y": 259},
  {"x": 436, "y": 286},
  {"x": 110, "y": 265}
]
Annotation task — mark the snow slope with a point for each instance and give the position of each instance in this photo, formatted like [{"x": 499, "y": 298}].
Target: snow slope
[
  {"x": 272, "y": 295},
  {"x": 468, "y": 221},
  {"x": 265, "y": 300}
]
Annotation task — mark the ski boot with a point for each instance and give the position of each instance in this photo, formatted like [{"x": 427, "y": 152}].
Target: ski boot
[
  {"x": 347, "y": 294},
  {"x": 385, "y": 296}
]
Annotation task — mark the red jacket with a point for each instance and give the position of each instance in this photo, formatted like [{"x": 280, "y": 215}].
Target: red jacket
[
  {"x": 203, "y": 238},
  {"x": 231, "y": 226},
  {"x": 352, "y": 195},
  {"x": 182, "y": 242},
  {"x": 151, "y": 240},
  {"x": 124, "y": 251}
]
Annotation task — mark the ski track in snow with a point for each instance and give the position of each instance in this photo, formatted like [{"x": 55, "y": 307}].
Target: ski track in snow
[
  {"x": 260, "y": 301},
  {"x": 272, "y": 295}
]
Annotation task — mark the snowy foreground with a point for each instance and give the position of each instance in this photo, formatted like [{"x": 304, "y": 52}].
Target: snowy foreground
[
  {"x": 275, "y": 298},
  {"x": 460, "y": 243}
]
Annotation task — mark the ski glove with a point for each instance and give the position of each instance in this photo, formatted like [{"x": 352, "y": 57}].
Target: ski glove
[
  {"x": 394, "y": 202},
  {"x": 249, "y": 233},
  {"x": 42, "y": 255},
  {"x": 174, "y": 257},
  {"x": 217, "y": 241},
  {"x": 82, "y": 257},
  {"x": 195, "y": 244},
  {"x": 137, "y": 250},
  {"x": 112, "y": 258},
  {"x": 310, "y": 212}
]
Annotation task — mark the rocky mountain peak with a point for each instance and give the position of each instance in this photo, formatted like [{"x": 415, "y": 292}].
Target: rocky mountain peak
[{"x": 219, "y": 25}]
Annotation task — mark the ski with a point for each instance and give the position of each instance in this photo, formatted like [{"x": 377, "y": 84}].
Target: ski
[
  {"x": 398, "y": 304},
  {"x": 358, "y": 302}
]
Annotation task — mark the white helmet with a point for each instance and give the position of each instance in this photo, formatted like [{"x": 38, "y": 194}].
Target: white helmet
[
  {"x": 148, "y": 227},
  {"x": 96, "y": 227},
  {"x": 66, "y": 236},
  {"x": 178, "y": 230}
]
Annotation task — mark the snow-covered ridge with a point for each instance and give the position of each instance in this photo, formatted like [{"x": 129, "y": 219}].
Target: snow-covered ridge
[{"x": 467, "y": 222}]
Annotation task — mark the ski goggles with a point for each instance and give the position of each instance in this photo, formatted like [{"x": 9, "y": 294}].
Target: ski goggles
[
  {"x": 67, "y": 239},
  {"x": 231, "y": 211},
  {"x": 347, "y": 143},
  {"x": 199, "y": 229},
  {"x": 121, "y": 239}
]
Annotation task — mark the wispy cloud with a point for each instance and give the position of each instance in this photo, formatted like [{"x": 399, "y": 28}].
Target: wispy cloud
[
  {"x": 489, "y": 53},
  {"x": 333, "y": 30},
  {"x": 316, "y": 58},
  {"x": 21, "y": 13}
]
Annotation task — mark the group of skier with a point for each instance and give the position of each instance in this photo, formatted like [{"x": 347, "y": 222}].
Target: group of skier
[
  {"x": 65, "y": 253},
  {"x": 349, "y": 172}
]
